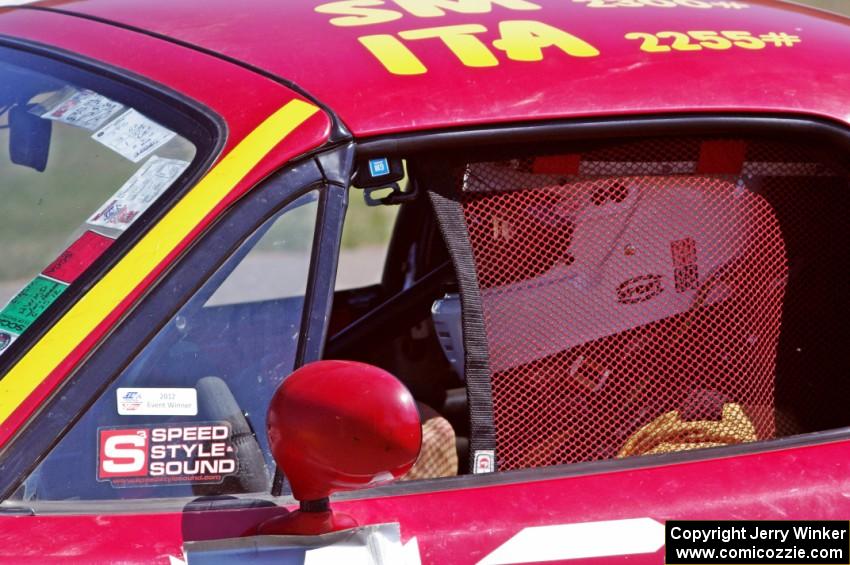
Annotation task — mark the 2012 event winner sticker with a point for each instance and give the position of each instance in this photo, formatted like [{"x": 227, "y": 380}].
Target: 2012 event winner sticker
[
  {"x": 157, "y": 401},
  {"x": 173, "y": 454}
]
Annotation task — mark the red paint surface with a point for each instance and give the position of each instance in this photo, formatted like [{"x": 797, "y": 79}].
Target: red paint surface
[
  {"x": 241, "y": 98},
  {"x": 78, "y": 257},
  {"x": 803, "y": 483},
  {"x": 292, "y": 40}
]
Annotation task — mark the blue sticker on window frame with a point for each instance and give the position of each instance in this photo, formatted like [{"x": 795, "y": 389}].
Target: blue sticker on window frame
[{"x": 379, "y": 167}]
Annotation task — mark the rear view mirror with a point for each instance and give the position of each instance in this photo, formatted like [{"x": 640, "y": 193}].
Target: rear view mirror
[
  {"x": 336, "y": 426},
  {"x": 29, "y": 139}
]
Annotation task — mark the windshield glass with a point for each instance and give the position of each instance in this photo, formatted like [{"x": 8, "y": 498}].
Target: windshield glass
[
  {"x": 79, "y": 165},
  {"x": 213, "y": 366}
]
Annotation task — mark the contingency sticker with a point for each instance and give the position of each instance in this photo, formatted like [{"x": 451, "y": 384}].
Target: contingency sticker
[
  {"x": 29, "y": 304},
  {"x": 166, "y": 455},
  {"x": 78, "y": 257},
  {"x": 133, "y": 135},
  {"x": 85, "y": 109},
  {"x": 157, "y": 401},
  {"x": 138, "y": 193}
]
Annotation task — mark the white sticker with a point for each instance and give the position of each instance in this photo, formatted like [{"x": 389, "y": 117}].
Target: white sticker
[
  {"x": 133, "y": 136},
  {"x": 85, "y": 109},
  {"x": 157, "y": 402},
  {"x": 485, "y": 461},
  {"x": 6, "y": 339},
  {"x": 138, "y": 193}
]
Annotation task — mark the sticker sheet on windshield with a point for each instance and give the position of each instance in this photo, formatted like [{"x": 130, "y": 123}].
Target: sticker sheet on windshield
[
  {"x": 29, "y": 304},
  {"x": 78, "y": 257},
  {"x": 85, "y": 109},
  {"x": 188, "y": 453},
  {"x": 133, "y": 135},
  {"x": 138, "y": 193}
]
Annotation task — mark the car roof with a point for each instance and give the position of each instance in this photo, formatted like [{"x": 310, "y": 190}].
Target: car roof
[{"x": 595, "y": 68}]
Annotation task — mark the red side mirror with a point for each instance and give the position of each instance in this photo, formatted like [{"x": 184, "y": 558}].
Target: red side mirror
[{"x": 336, "y": 426}]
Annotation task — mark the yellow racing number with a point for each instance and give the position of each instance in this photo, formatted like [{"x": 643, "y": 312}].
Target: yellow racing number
[
  {"x": 650, "y": 42},
  {"x": 711, "y": 40},
  {"x": 702, "y": 39},
  {"x": 744, "y": 39},
  {"x": 681, "y": 41}
]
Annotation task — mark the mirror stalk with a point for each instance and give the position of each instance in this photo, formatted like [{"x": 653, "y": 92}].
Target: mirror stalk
[{"x": 313, "y": 518}]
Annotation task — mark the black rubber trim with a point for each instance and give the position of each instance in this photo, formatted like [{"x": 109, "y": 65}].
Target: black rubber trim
[
  {"x": 440, "y": 184},
  {"x": 328, "y": 238},
  {"x": 339, "y": 132},
  {"x": 320, "y": 505},
  {"x": 572, "y": 470},
  {"x": 484, "y": 137},
  {"x": 197, "y": 123}
]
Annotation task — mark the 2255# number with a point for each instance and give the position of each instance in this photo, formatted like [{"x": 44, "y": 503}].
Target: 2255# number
[{"x": 666, "y": 41}]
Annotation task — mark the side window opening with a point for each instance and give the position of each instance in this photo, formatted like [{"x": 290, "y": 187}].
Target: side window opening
[
  {"x": 365, "y": 241},
  {"x": 393, "y": 329},
  {"x": 187, "y": 416},
  {"x": 360, "y": 278},
  {"x": 637, "y": 297}
]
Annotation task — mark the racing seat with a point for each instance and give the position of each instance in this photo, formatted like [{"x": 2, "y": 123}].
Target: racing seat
[
  {"x": 438, "y": 456},
  {"x": 612, "y": 289}
]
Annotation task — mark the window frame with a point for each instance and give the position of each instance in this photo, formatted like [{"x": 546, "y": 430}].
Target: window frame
[
  {"x": 321, "y": 173},
  {"x": 508, "y": 138}
]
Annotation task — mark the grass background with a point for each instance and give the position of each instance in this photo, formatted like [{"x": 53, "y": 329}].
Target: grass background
[{"x": 840, "y": 6}]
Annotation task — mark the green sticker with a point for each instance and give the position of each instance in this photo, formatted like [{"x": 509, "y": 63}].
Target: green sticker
[{"x": 29, "y": 304}]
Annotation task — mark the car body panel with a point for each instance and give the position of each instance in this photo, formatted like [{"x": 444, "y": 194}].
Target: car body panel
[
  {"x": 482, "y": 520},
  {"x": 450, "y": 521},
  {"x": 259, "y": 114},
  {"x": 330, "y": 62}
]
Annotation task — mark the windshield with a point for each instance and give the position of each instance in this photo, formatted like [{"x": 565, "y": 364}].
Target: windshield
[
  {"x": 217, "y": 362},
  {"x": 79, "y": 165}
]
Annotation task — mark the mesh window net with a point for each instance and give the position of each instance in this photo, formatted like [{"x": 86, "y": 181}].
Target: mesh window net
[{"x": 657, "y": 295}]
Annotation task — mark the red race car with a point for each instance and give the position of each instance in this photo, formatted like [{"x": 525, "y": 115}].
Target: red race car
[{"x": 418, "y": 281}]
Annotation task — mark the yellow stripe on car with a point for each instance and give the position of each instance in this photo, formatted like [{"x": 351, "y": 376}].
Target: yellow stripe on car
[{"x": 144, "y": 257}]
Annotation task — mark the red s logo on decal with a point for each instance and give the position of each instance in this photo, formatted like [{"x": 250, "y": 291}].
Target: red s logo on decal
[{"x": 123, "y": 453}]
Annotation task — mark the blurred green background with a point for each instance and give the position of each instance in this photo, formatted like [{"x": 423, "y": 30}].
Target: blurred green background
[{"x": 842, "y": 6}]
